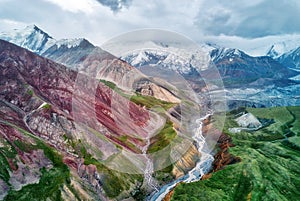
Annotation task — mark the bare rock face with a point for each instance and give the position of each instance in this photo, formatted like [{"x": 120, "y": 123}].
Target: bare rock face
[
  {"x": 158, "y": 92},
  {"x": 186, "y": 163},
  {"x": 124, "y": 76}
]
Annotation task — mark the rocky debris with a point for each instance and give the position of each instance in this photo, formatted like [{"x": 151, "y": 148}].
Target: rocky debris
[
  {"x": 51, "y": 127},
  {"x": 4, "y": 188},
  {"x": 28, "y": 171},
  {"x": 88, "y": 173}
]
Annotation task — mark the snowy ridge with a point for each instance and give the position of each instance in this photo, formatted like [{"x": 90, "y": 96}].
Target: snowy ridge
[
  {"x": 171, "y": 56},
  {"x": 31, "y": 38},
  {"x": 69, "y": 43},
  {"x": 220, "y": 53},
  {"x": 280, "y": 48},
  {"x": 36, "y": 40},
  {"x": 273, "y": 45}
]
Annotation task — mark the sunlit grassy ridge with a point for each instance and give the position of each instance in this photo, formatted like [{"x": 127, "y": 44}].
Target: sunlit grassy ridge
[
  {"x": 270, "y": 162},
  {"x": 163, "y": 138},
  {"x": 137, "y": 98},
  {"x": 149, "y": 102}
]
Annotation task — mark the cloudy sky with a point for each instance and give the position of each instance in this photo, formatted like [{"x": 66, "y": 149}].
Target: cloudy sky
[{"x": 100, "y": 20}]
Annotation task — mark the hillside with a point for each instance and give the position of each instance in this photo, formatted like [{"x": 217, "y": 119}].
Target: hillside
[{"x": 270, "y": 157}]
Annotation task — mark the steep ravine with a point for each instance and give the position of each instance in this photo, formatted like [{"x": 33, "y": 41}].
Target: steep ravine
[{"x": 202, "y": 167}]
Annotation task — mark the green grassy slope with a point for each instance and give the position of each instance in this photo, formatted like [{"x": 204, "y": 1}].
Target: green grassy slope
[{"x": 270, "y": 162}]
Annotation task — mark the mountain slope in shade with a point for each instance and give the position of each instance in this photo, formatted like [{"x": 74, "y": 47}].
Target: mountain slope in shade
[
  {"x": 239, "y": 69},
  {"x": 291, "y": 59}
]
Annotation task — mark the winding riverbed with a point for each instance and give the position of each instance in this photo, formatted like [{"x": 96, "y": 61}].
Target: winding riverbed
[{"x": 201, "y": 168}]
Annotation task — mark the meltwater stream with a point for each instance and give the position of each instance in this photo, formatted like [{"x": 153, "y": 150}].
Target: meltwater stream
[
  {"x": 202, "y": 167},
  {"x": 149, "y": 168}
]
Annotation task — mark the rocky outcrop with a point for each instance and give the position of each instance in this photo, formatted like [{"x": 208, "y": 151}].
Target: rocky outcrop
[
  {"x": 158, "y": 92},
  {"x": 224, "y": 142},
  {"x": 104, "y": 66},
  {"x": 223, "y": 157},
  {"x": 186, "y": 162},
  {"x": 246, "y": 121},
  {"x": 88, "y": 173}
]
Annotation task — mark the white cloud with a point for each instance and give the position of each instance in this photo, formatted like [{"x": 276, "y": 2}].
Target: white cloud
[
  {"x": 251, "y": 19},
  {"x": 199, "y": 20},
  {"x": 86, "y": 6},
  {"x": 8, "y": 24}
]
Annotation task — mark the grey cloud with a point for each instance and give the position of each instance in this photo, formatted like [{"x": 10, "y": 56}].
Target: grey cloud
[
  {"x": 115, "y": 5},
  {"x": 256, "y": 20}
]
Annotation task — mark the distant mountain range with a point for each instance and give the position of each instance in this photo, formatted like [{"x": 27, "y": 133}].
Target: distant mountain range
[{"x": 272, "y": 73}]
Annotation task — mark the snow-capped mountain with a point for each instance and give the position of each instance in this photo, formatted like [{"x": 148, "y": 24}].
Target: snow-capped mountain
[
  {"x": 38, "y": 41},
  {"x": 280, "y": 48},
  {"x": 249, "y": 81},
  {"x": 291, "y": 59},
  {"x": 69, "y": 51},
  {"x": 239, "y": 71},
  {"x": 220, "y": 53},
  {"x": 235, "y": 67},
  {"x": 31, "y": 38},
  {"x": 273, "y": 46},
  {"x": 181, "y": 59}
]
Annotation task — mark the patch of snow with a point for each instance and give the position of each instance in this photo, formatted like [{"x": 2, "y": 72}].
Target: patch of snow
[
  {"x": 296, "y": 78},
  {"x": 248, "y": 120},
  {"x": 172, "y": 56},
  {"x": 279, "y": 44},
  {"x": 69, "y": 42}
]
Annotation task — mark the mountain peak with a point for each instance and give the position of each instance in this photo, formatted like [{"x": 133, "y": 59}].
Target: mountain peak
[
  {"x": 31, "y": 38},
  {"x": 34, "y": 28},
  {"x": 74, "y": 42}
]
